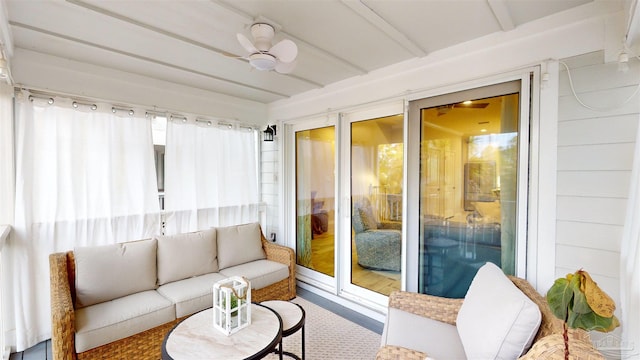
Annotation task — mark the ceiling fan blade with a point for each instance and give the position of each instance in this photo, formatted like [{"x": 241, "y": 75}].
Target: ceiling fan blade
[
  {"x": 232, "y": 55},
  {"x": 285, "y": 51},
  {"x": 285, "y": 67},
  {"x": 246, "y": 43}
]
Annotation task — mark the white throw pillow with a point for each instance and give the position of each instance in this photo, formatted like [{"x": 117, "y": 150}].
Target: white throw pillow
[
  {"x": 239, "y": 244},
  {"x": 109, "y": 272},
  {"x": 496, "y": 320},
  {"x": 182, "y": 256}
]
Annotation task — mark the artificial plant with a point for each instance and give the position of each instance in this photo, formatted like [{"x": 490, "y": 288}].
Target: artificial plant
[{"x": 579, "y": 302}]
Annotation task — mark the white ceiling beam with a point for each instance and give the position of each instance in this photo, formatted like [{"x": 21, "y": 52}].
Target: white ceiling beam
[
  {"x": 633, "y": 23},
  {"x": 376, "y": 20},
  {"x": 5, "y": 31},
  {"x": 501, "y": 12}
]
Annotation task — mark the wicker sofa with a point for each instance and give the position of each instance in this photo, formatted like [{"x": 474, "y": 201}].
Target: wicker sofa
[
  {"x": 119, "y": 301},
  {"x": 401, "y": 339}
]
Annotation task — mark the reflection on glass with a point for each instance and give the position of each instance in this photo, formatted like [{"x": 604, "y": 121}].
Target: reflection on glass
[
  {"x": 468, "y": 167},
  {"x": 315, "y": 205},
  {"x": 376, "y": 214}
]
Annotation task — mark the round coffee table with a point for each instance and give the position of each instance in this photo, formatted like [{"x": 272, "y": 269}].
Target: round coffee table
[{"x": 196, "y": 338}]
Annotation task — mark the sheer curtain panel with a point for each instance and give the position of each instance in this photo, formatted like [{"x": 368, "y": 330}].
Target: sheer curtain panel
[
  {"x": 211, "y": 176},
  {"x": 83, "y": 177}
]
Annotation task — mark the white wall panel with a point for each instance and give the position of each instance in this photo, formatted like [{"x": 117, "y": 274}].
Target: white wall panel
[
  {"x": 595, "y": 152},
  {"x": 596, "y": 262},
  {"x": 594, "y": 77},
  {"x": 269, "y": 169},
  {"x": 596, "y": 157},
  {"x": 589, "y": 235},
  {"x": 603, "y": 130},
  {"x": 594, "y": 183},
  {"x": 611, "y": 100},
  {"x": 592, "y": 210}
]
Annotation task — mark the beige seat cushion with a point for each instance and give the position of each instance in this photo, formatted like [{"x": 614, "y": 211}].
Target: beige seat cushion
[
  {"x": 182, "y": 256},
  {"x": 109, "y": 321},
  {"x": 191, "y": 295},
  {"x": 437, "y": 339},
  {"x": 261, "y": 273},
  {"x": 101, "y": 271},
  {"x": 239, "y": 244}
]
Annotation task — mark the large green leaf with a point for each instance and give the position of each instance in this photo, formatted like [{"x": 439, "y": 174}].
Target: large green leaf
[
  {"x": 592, "y": 321},
  {"x": 559, "y": 298},
  {"x": 580, "y": 304}
]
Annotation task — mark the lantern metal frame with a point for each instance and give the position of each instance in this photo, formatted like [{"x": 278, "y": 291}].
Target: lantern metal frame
[{"x": 228, "y": 318}]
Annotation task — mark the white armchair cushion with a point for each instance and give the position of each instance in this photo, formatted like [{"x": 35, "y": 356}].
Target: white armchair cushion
[
  {"x": 239, "y": 244},
  {"x": 182, "y": 256},
  {"x": 496, "y": 320},
  {"x": 437, "y": 339}
]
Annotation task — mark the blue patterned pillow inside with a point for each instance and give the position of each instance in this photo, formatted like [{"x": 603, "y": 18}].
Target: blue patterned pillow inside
[{"x": 368, "y": 221}]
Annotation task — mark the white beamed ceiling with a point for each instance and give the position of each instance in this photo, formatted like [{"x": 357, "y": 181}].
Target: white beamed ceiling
[{"x": 187, "y": 42}]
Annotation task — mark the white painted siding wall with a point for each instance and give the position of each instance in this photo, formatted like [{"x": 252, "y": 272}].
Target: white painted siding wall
[
  {"x": 269, "y": 184},
  {"x": 595, "y": 151}
]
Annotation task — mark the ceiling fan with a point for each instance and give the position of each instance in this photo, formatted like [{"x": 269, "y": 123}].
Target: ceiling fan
[
  {"x": 280, "y": 57},
  {"x": 444, "y": 109}
]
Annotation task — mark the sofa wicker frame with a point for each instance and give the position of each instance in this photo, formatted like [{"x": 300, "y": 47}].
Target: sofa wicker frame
[
  {"x": 548, "y": 343},
  {"x": 145, "y": 345}
]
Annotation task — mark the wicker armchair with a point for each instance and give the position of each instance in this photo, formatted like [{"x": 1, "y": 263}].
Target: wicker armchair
[{"x": 548, "y": 343}]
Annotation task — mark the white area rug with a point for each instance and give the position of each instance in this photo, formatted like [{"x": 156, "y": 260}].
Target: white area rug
[{"x": 331, "y": 337}]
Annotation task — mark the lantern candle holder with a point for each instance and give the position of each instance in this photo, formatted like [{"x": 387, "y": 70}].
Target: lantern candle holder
[{"x": 231, "y": 304}]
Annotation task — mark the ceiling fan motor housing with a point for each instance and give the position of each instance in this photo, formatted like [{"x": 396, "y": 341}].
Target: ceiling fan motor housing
[{"x": 262, "y": 34}]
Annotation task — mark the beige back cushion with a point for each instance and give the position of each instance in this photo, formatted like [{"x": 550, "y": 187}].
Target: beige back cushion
[
  {"x": 239, "y": 244},
  {"x": 183, "y": 256},
  {"x": 109, "y": 272}
]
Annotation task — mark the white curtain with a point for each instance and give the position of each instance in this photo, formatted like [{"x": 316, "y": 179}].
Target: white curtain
[
  {"x": 6, "y": 154},
  {"x": 83, "y": 177},
  {"x": 211, "y": 176},
  {"x": 630, "y": 263}
]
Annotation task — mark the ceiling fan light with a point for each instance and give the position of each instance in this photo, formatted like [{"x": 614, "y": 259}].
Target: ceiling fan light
[{"x": 262, "y": 61}]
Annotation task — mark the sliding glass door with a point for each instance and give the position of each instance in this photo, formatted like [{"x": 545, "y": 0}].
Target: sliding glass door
[
  {"x": 315, "y": 201},
  {"x": 418, "y": 199},
  {"x": 373, "y": 183},
  {"x": 470, "y": 162}
]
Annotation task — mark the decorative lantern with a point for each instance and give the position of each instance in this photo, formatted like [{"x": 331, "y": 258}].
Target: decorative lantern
[{"x": 231, "y": 304}]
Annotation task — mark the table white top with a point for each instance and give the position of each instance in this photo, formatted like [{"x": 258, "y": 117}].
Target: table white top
[
  {"x": 196, "y": 338},
  {"x": 290, "y": 313}
]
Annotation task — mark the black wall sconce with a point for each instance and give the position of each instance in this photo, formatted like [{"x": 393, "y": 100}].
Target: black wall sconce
[{"x": 269, "y": 133}]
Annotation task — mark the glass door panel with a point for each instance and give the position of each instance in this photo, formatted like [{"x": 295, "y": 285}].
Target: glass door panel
[
  {"x": 468, "y": 187},
  {"x": 315, "y": 199},
  {"x": 377, "y": 154}
]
